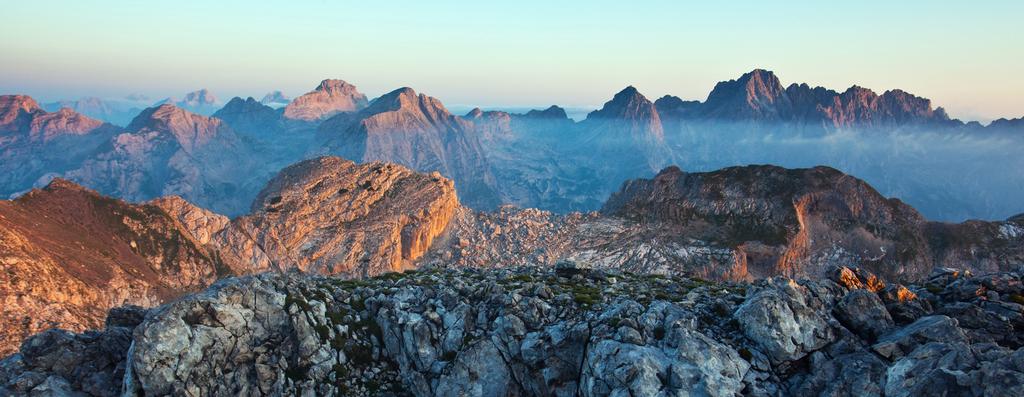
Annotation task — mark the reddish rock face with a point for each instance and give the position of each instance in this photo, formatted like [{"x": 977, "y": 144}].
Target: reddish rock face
[
  {"x": 190, "y": 130},
  {"x": 16, "y": 112},
  {"x": 332, "y": 216},
  {"x": 329, "y": 98},
  {"x": 69, "y": 254},
  {"x": 20, "y": 115}
]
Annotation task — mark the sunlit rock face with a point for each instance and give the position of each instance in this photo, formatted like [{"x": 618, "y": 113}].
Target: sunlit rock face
[
  {"x": 69, "y": 254},
  {"x": 329, "y": 98},
  {"x": 333, "y": 216},
  {"x": 21, "y": 119}
]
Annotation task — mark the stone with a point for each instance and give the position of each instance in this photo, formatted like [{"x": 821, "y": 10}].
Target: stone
[
  {"x": 784, "y": 320},
  {"x": 863, "y": 313},
  {"x": 903, "y": 341}
]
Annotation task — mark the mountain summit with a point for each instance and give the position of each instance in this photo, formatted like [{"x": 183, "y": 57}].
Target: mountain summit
[
  {"x": 21, "y": 117},
  {"x": 190, "y": 130},
  {"x": 327, "y": 99},
  {"x": 628, "y": 127},
  {"x": 756, "y": 95}
]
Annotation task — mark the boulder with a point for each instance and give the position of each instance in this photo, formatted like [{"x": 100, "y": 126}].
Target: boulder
[{"x": 785, "y": 321}]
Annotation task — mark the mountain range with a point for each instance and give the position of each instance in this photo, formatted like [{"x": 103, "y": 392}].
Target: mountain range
[{"x": 540, "y": 159}]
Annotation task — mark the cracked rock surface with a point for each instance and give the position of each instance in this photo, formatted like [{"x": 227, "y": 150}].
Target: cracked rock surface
[{"x": 524, "y": 331}]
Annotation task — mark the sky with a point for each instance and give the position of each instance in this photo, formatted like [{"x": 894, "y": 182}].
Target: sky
[{"x": 965, "y": 56}]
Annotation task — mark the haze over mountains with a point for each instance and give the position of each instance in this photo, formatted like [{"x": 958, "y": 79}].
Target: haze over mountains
[{"x": 898, "y": 142}]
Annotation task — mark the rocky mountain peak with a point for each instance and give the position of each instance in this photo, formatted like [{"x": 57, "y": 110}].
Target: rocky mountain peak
[
  {"x": 248, "y": 115},
  {"x": 628, "y": 104},
  {"x": 60, "y": 184},
  {"x": 20, "y": 114},
  {"x": 673, "y": 107},
  {"x": 858, "y": 93},
  {"x": 406, "y": 100},
  {"x": 327, "y": 99},
  {"x": 16, "y": 112},
  {"x": 757, "y": 94},
  {"x": 628, "y": 125},
  {"x": 479, "y": 114},
  {"x": 902, "y": 107},
  {"x": 553, "y": 112},
  {"x": 336, "y": 86},
  {"x": 237, "y": 105},
  {"x": 23, "y": 102},
  {"x": 189, "y": 129}
]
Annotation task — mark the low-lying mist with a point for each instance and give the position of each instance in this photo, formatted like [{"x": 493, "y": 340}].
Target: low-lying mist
[{"x": 948, "y": 176}]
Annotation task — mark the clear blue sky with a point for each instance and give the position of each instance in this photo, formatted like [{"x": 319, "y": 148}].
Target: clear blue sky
[{"x": 966, "y": 56}]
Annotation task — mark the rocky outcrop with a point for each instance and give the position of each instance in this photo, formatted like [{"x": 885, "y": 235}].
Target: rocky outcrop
[
  {"x": 528, "y": 332},
  {"x": 738, "y": 223},
  {"x": 331, "y": 216},
  {"x": 202, "y": 224},
  {"x": 73, "y": 253},
  {"x": 804, "y": 218},
  {"x": 416, "y": 131},
  {"x": 328, "y": 99},
  {"x": 513, "y": 237},
  {"x": 69, "y": 254}
]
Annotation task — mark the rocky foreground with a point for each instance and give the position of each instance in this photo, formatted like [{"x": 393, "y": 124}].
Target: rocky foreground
[{"x": 573, "y": 331}]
